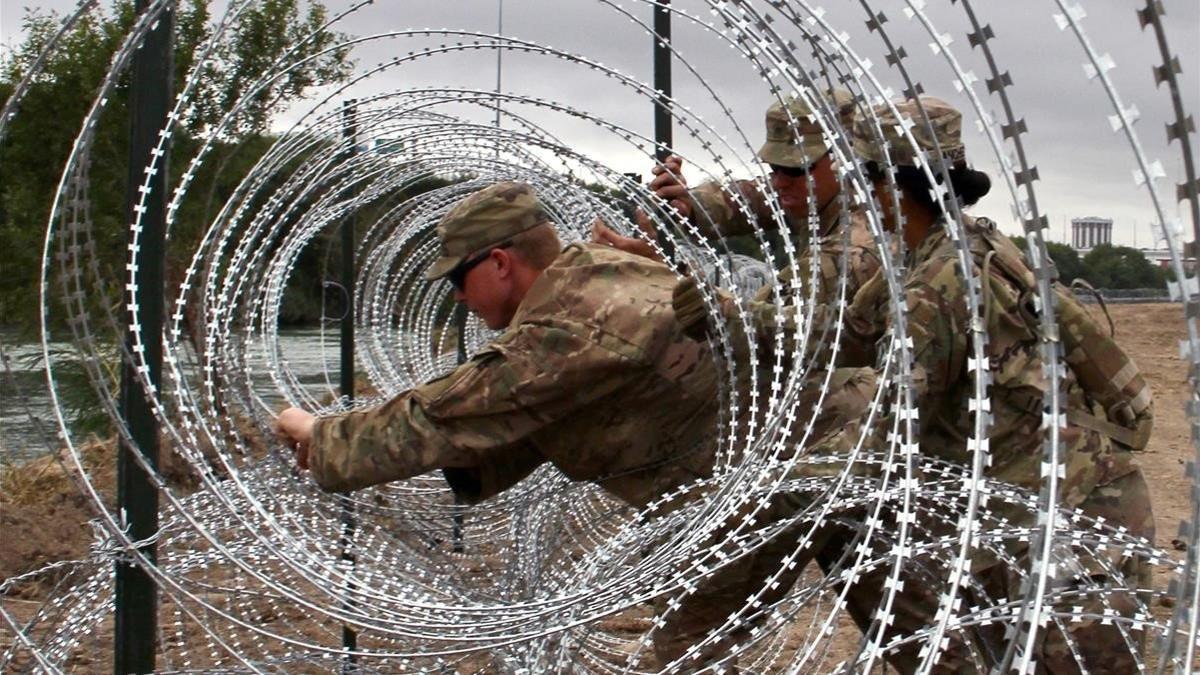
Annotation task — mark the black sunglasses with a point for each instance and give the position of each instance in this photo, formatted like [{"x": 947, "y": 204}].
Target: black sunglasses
[
  {"x": 458, "y": 276},
  {"x": 796, "y": 171}
]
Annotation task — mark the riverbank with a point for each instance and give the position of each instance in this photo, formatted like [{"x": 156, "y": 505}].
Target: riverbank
[{"x": 45, "y": 512}]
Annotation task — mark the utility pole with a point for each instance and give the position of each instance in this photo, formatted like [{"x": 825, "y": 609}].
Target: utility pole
[
  {"x": 662, "y": 79},
  {"x": 499, "y": 58},
  {"x": 346, "y": 365}
]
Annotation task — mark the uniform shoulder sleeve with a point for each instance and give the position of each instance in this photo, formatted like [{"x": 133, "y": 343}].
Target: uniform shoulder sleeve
[
  {"x": 935, "y": 311},
  {"x": 394, "y": 440},
  {"x": 732, "y": 209},
  {"x": 938, "y": 327},
  {"x": 865, "y": 259}
]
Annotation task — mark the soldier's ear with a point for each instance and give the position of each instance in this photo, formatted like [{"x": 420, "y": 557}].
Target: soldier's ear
[{"x": 504, "y": 261}]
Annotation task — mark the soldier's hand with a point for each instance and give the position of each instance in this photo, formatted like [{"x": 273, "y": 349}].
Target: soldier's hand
[
  {"x": 295, "y": 428},
  {"x": 669, "y": 184},
  {"x": 645, "y": 224},
  {"x": 603, "y": 234},
  {"x": 690, "y": 312}
]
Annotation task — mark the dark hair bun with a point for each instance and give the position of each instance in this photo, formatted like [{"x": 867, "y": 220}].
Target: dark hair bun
[{"x": 970, "y": 185}]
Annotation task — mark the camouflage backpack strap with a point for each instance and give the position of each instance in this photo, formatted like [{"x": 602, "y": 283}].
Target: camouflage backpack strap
[
  {"x": 991, "y": 245},
  {"x": 993, "y": 250},
  {"x": 1107, "y": 374},
  {"x": 1104, "y": 371},
  {"x": 1077, "y": 284}
]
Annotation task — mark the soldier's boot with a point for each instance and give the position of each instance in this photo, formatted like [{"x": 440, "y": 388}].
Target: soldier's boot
[
  {"x": 912, "y": 612},
  {"x": 1102, "y": 648}
]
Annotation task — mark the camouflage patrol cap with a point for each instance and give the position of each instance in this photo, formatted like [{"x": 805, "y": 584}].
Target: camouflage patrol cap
[
  {"x": 945, "y": 127},
  {"x": 793, "y": 121},
  {"x": 494, "y": 214}
]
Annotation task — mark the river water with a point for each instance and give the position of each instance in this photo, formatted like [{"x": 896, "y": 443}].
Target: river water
[{"x": 28, "y": 426}]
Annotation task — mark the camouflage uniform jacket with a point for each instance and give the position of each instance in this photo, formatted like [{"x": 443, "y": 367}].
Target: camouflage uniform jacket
[
  {"x": 593, "y": 375},
  {"x": 848, "y": 247},
  {"x": 844, "y": 242},
  {"x": 719, "y": 215},
  {"x": 939, "y": 324}
]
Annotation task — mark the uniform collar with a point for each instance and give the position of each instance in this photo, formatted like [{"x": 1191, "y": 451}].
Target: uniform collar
[
  {"x": 934, "y": 239},
  {"x": 828, "y": 217},
  {"x": 542, "y": 291},
  {"x": 830, "y": 214}
]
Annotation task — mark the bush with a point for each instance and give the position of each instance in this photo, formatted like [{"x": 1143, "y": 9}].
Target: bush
[{"x": 1108, "y": 266}]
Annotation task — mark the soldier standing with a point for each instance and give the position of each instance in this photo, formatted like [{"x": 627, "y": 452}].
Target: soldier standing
[
  {"x": 1108, "y": 409},
  {"x": 804, "y": 178},
  {"x": 1108, "y": 413},
  {"x": 1101, "y": 479}
]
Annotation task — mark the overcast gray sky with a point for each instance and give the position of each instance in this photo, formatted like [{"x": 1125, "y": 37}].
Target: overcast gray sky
[{"x": 1086, "y": 169}]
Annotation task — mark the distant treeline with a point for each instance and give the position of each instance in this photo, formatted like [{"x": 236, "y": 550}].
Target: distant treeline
[{"x": 1106, "y": 266}]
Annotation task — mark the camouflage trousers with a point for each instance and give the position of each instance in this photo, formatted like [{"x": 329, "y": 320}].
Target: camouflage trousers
[
  {"x": 1081, "y": 637},
  {"x": 1077, "y": 634},
  {"x": 845, "y": 398}
]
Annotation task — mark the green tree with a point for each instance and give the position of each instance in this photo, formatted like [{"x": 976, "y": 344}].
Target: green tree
[
  {"x": 1066, "y": 259},
  {"x": 1108, "y": 266},
  {"x": 49, "y": 119},
  {"x": 266, "y": 34}
]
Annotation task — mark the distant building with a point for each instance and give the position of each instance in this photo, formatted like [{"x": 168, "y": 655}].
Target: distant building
[
  {"x": 1088, "y": 233},
  {"x": 1161, "y": 257}
]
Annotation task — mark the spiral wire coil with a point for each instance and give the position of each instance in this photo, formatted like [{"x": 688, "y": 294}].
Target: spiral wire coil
[{"x": 553, "y": 575}]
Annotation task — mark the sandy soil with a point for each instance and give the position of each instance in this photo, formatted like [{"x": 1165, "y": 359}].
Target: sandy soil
[{"x": 1152, "y": 333}]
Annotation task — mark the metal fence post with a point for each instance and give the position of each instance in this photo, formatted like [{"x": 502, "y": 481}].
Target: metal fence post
[
  {"x": 135, "y": 629},
  {"x": 346, "y": 386},
  {"x": 662, "y": 79},
  {"x": 460, "y": 321},
  {"x": 663, "y": 142}
]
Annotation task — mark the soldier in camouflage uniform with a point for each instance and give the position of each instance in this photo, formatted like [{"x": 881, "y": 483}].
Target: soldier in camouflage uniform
[
  {"x": 804, "y": 178},
  {"x": 591, "y": 372},
  {"x": 1100, "y": 477}
]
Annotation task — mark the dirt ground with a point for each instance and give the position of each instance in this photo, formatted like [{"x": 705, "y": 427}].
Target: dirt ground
[
  {"x": 1152, "y": 333},
  {"x": 43, "y": 517}
]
